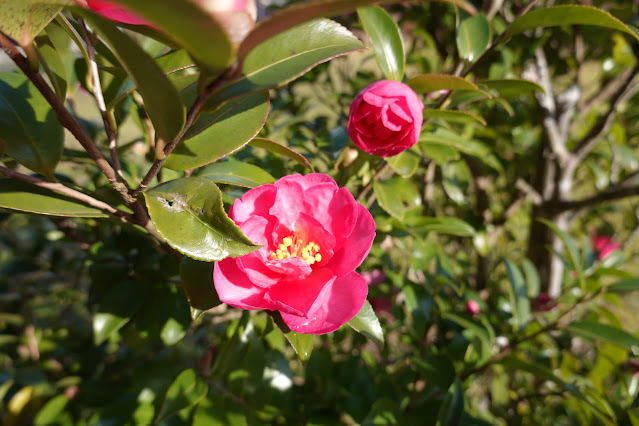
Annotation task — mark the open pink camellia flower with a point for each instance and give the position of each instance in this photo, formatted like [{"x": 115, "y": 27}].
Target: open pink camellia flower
[
  {"x": 385, "y": 118},
  {"x": 604, "y": 245},
  {"x": 313, "y": 235}
]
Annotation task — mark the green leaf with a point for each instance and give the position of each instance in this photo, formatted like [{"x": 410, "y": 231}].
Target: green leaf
[
  {"x": 231, "y": 126},
  {"x": 451, "y": 412},
  {"x": 386, "y": 40},
  {"x": 191, "y": 26},
  {"x": 17, "y": 196},
  {"x": 454, "y": 116},
  {"x": 571, "y": 248},
  {"x": 284, "y": 151},
  {"x": 288, "y": 55},
  {"x": 366, "y": 323},
  {"x": 440, "y": 154},
  {"x": 53, "y": 66},
  {"x": 29, "y": 129},
  {"x": 396, "y": 195},
  {"x": 115, "y": 309},
  {"x": 456, "y": 180},
  {"x": 511, "y": 87},
  {"x": 50, "y": 413},
  {"x": 567, "y": 15},
  {"x": 473, "y": 35},
  {"x": 439, "y": 369},
  {"x": 484, "y": 342},
  {"x": 518, "y": 296},
  {"x": 433, "y": 82},
  {"x": 236, "y": 173},
  {"x": 533, "y": 282},
  {"x": 197, "y": 282},
  {"x": 537, "y": 370},
  {"x": 23, "y": 20},
  {"x": 404, "y": 164},
  {"x": 162, "y": 102},
  {"x": 294, "y": 15},
  {"x": 190, "y": 216},
  {"x": 186, "y": 391},
  {"x": 468, "y": 146},
  {"x": 597, "y": 331},
  {"x": 443, "y": 225},
  {"x": 623, "y": 286},
  {"x": 301, "y": 343}
]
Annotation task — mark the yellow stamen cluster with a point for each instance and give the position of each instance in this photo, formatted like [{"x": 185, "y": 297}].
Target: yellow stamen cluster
[{"x": 292, "y": 246}]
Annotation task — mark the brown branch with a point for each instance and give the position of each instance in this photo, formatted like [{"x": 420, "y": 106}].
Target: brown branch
[
  {"x": 69, "y": 192},
  {"x": 612, "y": 194},
  {"x": 191, "y": 116},
  {"x": 99, "y": 98},
  {"x": 64, "y": 116},
  {"x": 625, "y": 91}
]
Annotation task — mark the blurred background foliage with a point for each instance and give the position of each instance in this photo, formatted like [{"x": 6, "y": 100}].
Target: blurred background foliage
[{"x": 95, "y": 327}]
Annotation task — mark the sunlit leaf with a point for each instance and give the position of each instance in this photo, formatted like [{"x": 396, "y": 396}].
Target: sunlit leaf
[
  {"x": 405, "y": 163},
  {"x": 22, "y": 20},
  {"x": 279, "y": 149},
  {"x": 473, "y": 35},
  {"x": 518, "y": 295},
  {"x": 386, "y": 40},
  {"x": 190, "y": 216},
  {"x": 187, "y": 390},
  {"x": 115, "y": 309},
  {"x": 236, "y": 173},
  {"x": 301, "y": 343},
  {"x": 432, "y": 82},
  {"x": 454, "y": 116},
  {"x": 366, "y": 322},
  {"x": 396, "y": 195},
  {"x": 598, "y": 331}
]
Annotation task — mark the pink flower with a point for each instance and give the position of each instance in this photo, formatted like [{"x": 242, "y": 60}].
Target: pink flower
[
  {"x": 374, "y": 277},
  {"x": 385, "y": 118},
  {"x": 313, "y": 235},
  {"x": 115, "y": 12},
  {"x": 543, "y": 302},
  {"x": 472, "y": 307},
  {"x": 604, "y": 245}
]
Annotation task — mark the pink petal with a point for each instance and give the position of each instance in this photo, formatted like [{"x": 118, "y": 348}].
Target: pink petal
[
  {"x": 337, "y": 303},
  {"x": 253, "y": 265},
  {"x": 234, "y": 288},
  {"x": 291, "y": 268},
  {"x": 289, "y": 201},
  {"x": 256, "y": 202},
  {"x": 356, "y": 246},
  {"x": 297, "y": 296},
  {"x": 338, "y": 213},
  {"x": 309, "y": 180},
  {"x": 116, "y": 12}
]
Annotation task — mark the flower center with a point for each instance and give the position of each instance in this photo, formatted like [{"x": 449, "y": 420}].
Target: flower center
[{"x": 294, "y": 246}]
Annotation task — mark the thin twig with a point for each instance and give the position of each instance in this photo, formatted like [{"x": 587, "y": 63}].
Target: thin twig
[
  {"x": 99, "y": 98},
  {"x": 64, "y": 117},
  {"x": 191, "y": 116},
  {"x": 612, "y": 194},
  {"x": 65, "y": 190}
]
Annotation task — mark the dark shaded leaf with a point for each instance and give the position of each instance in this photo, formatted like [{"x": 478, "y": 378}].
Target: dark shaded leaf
[
  {"x": 115, "y": 309},
  {"x": 187, "y": 390},
  {"x": 197, "y": 282}
]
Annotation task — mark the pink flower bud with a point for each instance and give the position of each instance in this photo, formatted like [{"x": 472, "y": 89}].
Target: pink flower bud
[
  {"x": 473, "y": 307},
  {"x": 385, "y": 118},
  {"x": 604, "y": 245}
]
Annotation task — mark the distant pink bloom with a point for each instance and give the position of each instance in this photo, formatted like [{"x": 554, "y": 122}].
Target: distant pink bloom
[
  {"x": 604, "y": 245},
  {"x": 385, "y": 118},
  {"x": 313, "y": 236},
  {"x": 383, "y": 305},
  {"x": 473, "y": 307},
  {"x": 374, "y": 277},
  {"x": 543, "y": 303}
]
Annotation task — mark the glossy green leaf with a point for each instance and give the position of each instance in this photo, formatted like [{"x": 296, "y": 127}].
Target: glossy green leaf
[
  {"x": 597, "y": 331},
  {"x": 454, "y": 116},
  {"x": 236, "y": 173},
  {"x": 190, "y": 216},
  {"x": 53, "y": 66},
  {"x": 396, "y": 195},
  {"x": 29, "y": 129},
  {"x": 191, "y": 26},
  {"x": 290, "y": 54},
  {"x": 187, "y": 390},
  {"x": 197, "y": 282},
  {"x": 221, "y": 132},
  {"x": 301, "y": 343},
  {"x": 22, "y": 20},
  {"x": 567, "y": 15},
  {"x": 425, "y": 83},
  {"x": 367, "y": 323},
  {"x": 404, "y": 164},
  {"x": 386, "y": 40},
  {"x": 456, "y": 180},
  {"x": 162, "y": 102},
  {"x": 115, "y": 309},
  {"x": 571, "y": 249},
  {"x": 473, "y": 35},
  {"x": 440, "y": 154},
  {"x": 451, "y": 412},
  {"x": 518, "y": 296},
  {"x": 17, "y": 196},
  {"x": 279, "y": 149},
  {"x": 512, "y": 87},
  {"x": 297, "y": 14},
  {"x": 624, "y": 286},
  {"x": 50, "y": 413},
  {"x": 468, "y": 146},
  {"x": 443, "y": 225}
]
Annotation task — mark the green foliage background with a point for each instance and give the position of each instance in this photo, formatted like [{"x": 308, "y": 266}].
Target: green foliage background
[{"x": 529, "y": 151}]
